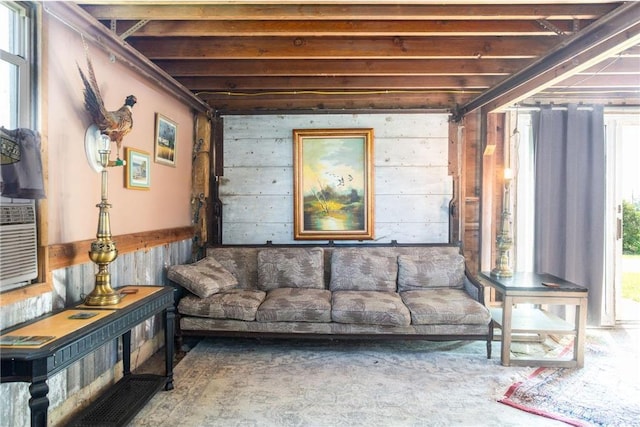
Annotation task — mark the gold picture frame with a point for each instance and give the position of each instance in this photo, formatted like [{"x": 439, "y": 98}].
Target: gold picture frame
[
  {"x": 333, "y": 184},
  {"x": 166, "y": 140},
  {"x": 137, "y": 171}
]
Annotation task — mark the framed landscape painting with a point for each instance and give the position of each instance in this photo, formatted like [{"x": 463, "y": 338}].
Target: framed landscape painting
[
  {"x": 166, "y": 140},
  {"x": 333, "y": 184},
  {"x": 137, "y": 169}
]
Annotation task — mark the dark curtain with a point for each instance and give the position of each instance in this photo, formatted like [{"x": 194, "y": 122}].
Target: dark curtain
[{"x": 570, "y": 198}]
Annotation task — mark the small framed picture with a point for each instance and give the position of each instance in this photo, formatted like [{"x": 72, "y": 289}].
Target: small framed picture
[
  {"x": 137, "y": 170},
  {"x": 166, "y": 140}
]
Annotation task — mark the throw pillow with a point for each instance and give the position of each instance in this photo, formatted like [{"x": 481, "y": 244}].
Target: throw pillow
[
  {"x": 353, "y": 270},
  {"x": 202, "y": 278},
  {"x": 442, "y": 271},
  {"x": 290, "y": 268}
]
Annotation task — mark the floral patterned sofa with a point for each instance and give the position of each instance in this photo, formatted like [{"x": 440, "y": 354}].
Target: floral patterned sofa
[{"x": 392, "y": 291}]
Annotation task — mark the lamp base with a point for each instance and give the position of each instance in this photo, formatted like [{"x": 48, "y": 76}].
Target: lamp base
[
  {"x": 103, "y": 295},
  {"x": 501, "y": 273}
]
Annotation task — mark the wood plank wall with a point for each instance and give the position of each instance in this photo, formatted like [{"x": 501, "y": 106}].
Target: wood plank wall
[
  {"x": 413, "y": 188},
  {"x": 482, "y": 153},
  {"x": 471, "y": 190}
]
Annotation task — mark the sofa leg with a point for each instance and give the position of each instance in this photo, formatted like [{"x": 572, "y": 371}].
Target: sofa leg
[{"x": 489, "y": 340}]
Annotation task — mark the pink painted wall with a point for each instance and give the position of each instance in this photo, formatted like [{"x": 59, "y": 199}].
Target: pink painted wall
[{"x": 73, "y": 187}]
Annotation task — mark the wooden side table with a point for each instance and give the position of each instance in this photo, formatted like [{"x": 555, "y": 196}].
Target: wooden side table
[
  {"x": 528, "y": 288},
  {"x": 34, "y": 351}
]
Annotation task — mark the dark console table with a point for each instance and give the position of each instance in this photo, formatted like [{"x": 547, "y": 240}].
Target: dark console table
[{"x": 34, "y": 351}]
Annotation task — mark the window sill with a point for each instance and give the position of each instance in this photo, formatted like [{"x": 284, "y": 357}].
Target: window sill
[{"x": 26, "y": 292}]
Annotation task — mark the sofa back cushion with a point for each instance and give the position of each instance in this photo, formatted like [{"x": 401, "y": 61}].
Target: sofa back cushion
[
  {"x": 355, "y": 270},
  {"x": 437, "y": 271},
  {"x": 242, "y": 262},
  {"x": 290, "y": 268}
]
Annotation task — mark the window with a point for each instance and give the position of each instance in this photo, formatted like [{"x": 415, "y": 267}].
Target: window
[
  {"x": 18, "y": 246},
  {"x": 15, "y": 69}
]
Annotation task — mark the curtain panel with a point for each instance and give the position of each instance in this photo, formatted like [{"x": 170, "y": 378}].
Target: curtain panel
[{"x": 570, "y": 179}]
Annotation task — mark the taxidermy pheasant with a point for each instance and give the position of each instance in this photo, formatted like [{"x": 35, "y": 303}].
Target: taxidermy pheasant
[{"x": 115, "y": 124}]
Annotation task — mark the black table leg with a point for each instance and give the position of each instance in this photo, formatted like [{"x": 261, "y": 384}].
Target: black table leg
[
  {"x": 39, "y": 402},
  {"x": 169, "y": 332},
  {"x": 126, "y": 353}
]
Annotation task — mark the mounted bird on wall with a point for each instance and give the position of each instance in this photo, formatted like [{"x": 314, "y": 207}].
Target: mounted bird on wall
[{"x": 115, "y": 124}]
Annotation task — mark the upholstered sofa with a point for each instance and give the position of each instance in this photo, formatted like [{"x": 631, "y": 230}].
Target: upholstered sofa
[{"x": 381, "y": 291}]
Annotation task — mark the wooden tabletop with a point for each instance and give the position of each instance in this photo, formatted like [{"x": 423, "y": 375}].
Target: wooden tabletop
[{"x": 52, "y": 327}]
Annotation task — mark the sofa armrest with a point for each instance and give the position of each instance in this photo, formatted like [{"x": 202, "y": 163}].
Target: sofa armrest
[{"x": 473, "y": 287}]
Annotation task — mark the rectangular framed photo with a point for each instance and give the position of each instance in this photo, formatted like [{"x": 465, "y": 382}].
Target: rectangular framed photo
[
  {"x": 166, "y": 140},
  {"x": 137, "y": 170},
  {"x": 333, "y": 184}
]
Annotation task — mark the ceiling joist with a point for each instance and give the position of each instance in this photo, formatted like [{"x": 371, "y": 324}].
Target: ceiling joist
[{"x": 268, "y": 55}]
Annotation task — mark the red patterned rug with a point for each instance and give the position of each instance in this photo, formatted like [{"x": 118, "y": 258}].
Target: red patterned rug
[{"x": 606, "y": 392}]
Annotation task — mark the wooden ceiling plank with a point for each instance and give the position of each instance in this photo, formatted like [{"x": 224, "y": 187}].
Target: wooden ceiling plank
[
  {"x": 338, "y": 48},
  {"x": 198, "y": 84},
  {"x": 204, "y": 28},
  {"x": 353, "y": 67},
  {"x": 354, "y": 11}
]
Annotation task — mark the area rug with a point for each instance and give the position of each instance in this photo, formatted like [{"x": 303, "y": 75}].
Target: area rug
[
  {"x": 606, "y": 392},
  {"x": 225, "y": 382}
]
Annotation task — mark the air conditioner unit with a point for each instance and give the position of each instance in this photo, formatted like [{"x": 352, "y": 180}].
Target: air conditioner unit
[{"x": 18, "y": 244}]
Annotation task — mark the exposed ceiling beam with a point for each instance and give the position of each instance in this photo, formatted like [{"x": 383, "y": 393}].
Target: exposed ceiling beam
[
  {"x": 342, "y": 100},
  {"x": 328, "y": 82},
  {"x": 342, "y": 48},
  {"x": 608, "y": 36},
  {"x": 283, "y": 12},
  {"x": 207, "y": 28},
  {"x": 341, "y": 67}
]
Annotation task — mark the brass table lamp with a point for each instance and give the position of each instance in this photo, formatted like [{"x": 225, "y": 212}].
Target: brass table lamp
[
  {"x": 103, "y": 249},
  {"x": 504, "y": 241}
]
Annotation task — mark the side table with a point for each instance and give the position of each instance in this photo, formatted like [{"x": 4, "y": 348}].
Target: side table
[
  {"x": 528, "y": 288},
  {"x": 34, "y": 351}
]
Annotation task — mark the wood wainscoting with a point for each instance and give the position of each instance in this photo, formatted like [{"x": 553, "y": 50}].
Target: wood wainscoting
[{"x": 68, "y": 254}]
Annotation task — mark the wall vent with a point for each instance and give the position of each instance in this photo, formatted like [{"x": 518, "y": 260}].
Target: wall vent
[{"x": 18, "y": 244}]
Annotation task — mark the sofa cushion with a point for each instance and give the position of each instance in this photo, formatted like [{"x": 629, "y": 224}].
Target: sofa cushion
[
  {"x": 370, "y": 308},
  {"x": 440, "y": 271},
  {"x": 238, "y": 304},
  {"x": 352, "y": 270},
  {"x": 445, "y": 307},
  {"x": 203, "y": 278},
  {"x": 295, "y": 305},
  {"x": 242, "y": 262},
  {"x": 290, "y": 268}
]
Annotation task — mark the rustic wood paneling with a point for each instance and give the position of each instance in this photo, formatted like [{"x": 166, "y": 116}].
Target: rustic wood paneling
[{"x": 412, "y": 184}]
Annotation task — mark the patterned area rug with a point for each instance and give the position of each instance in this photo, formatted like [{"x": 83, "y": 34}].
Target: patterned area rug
[
  {"x": 606, "y": 392},
  {"x": 224, "y": 382}
]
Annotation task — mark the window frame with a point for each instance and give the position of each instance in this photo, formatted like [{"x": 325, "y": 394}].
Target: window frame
[
  {"x": 22, "y": 58},
  {"x": 24, "y": 46}
]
